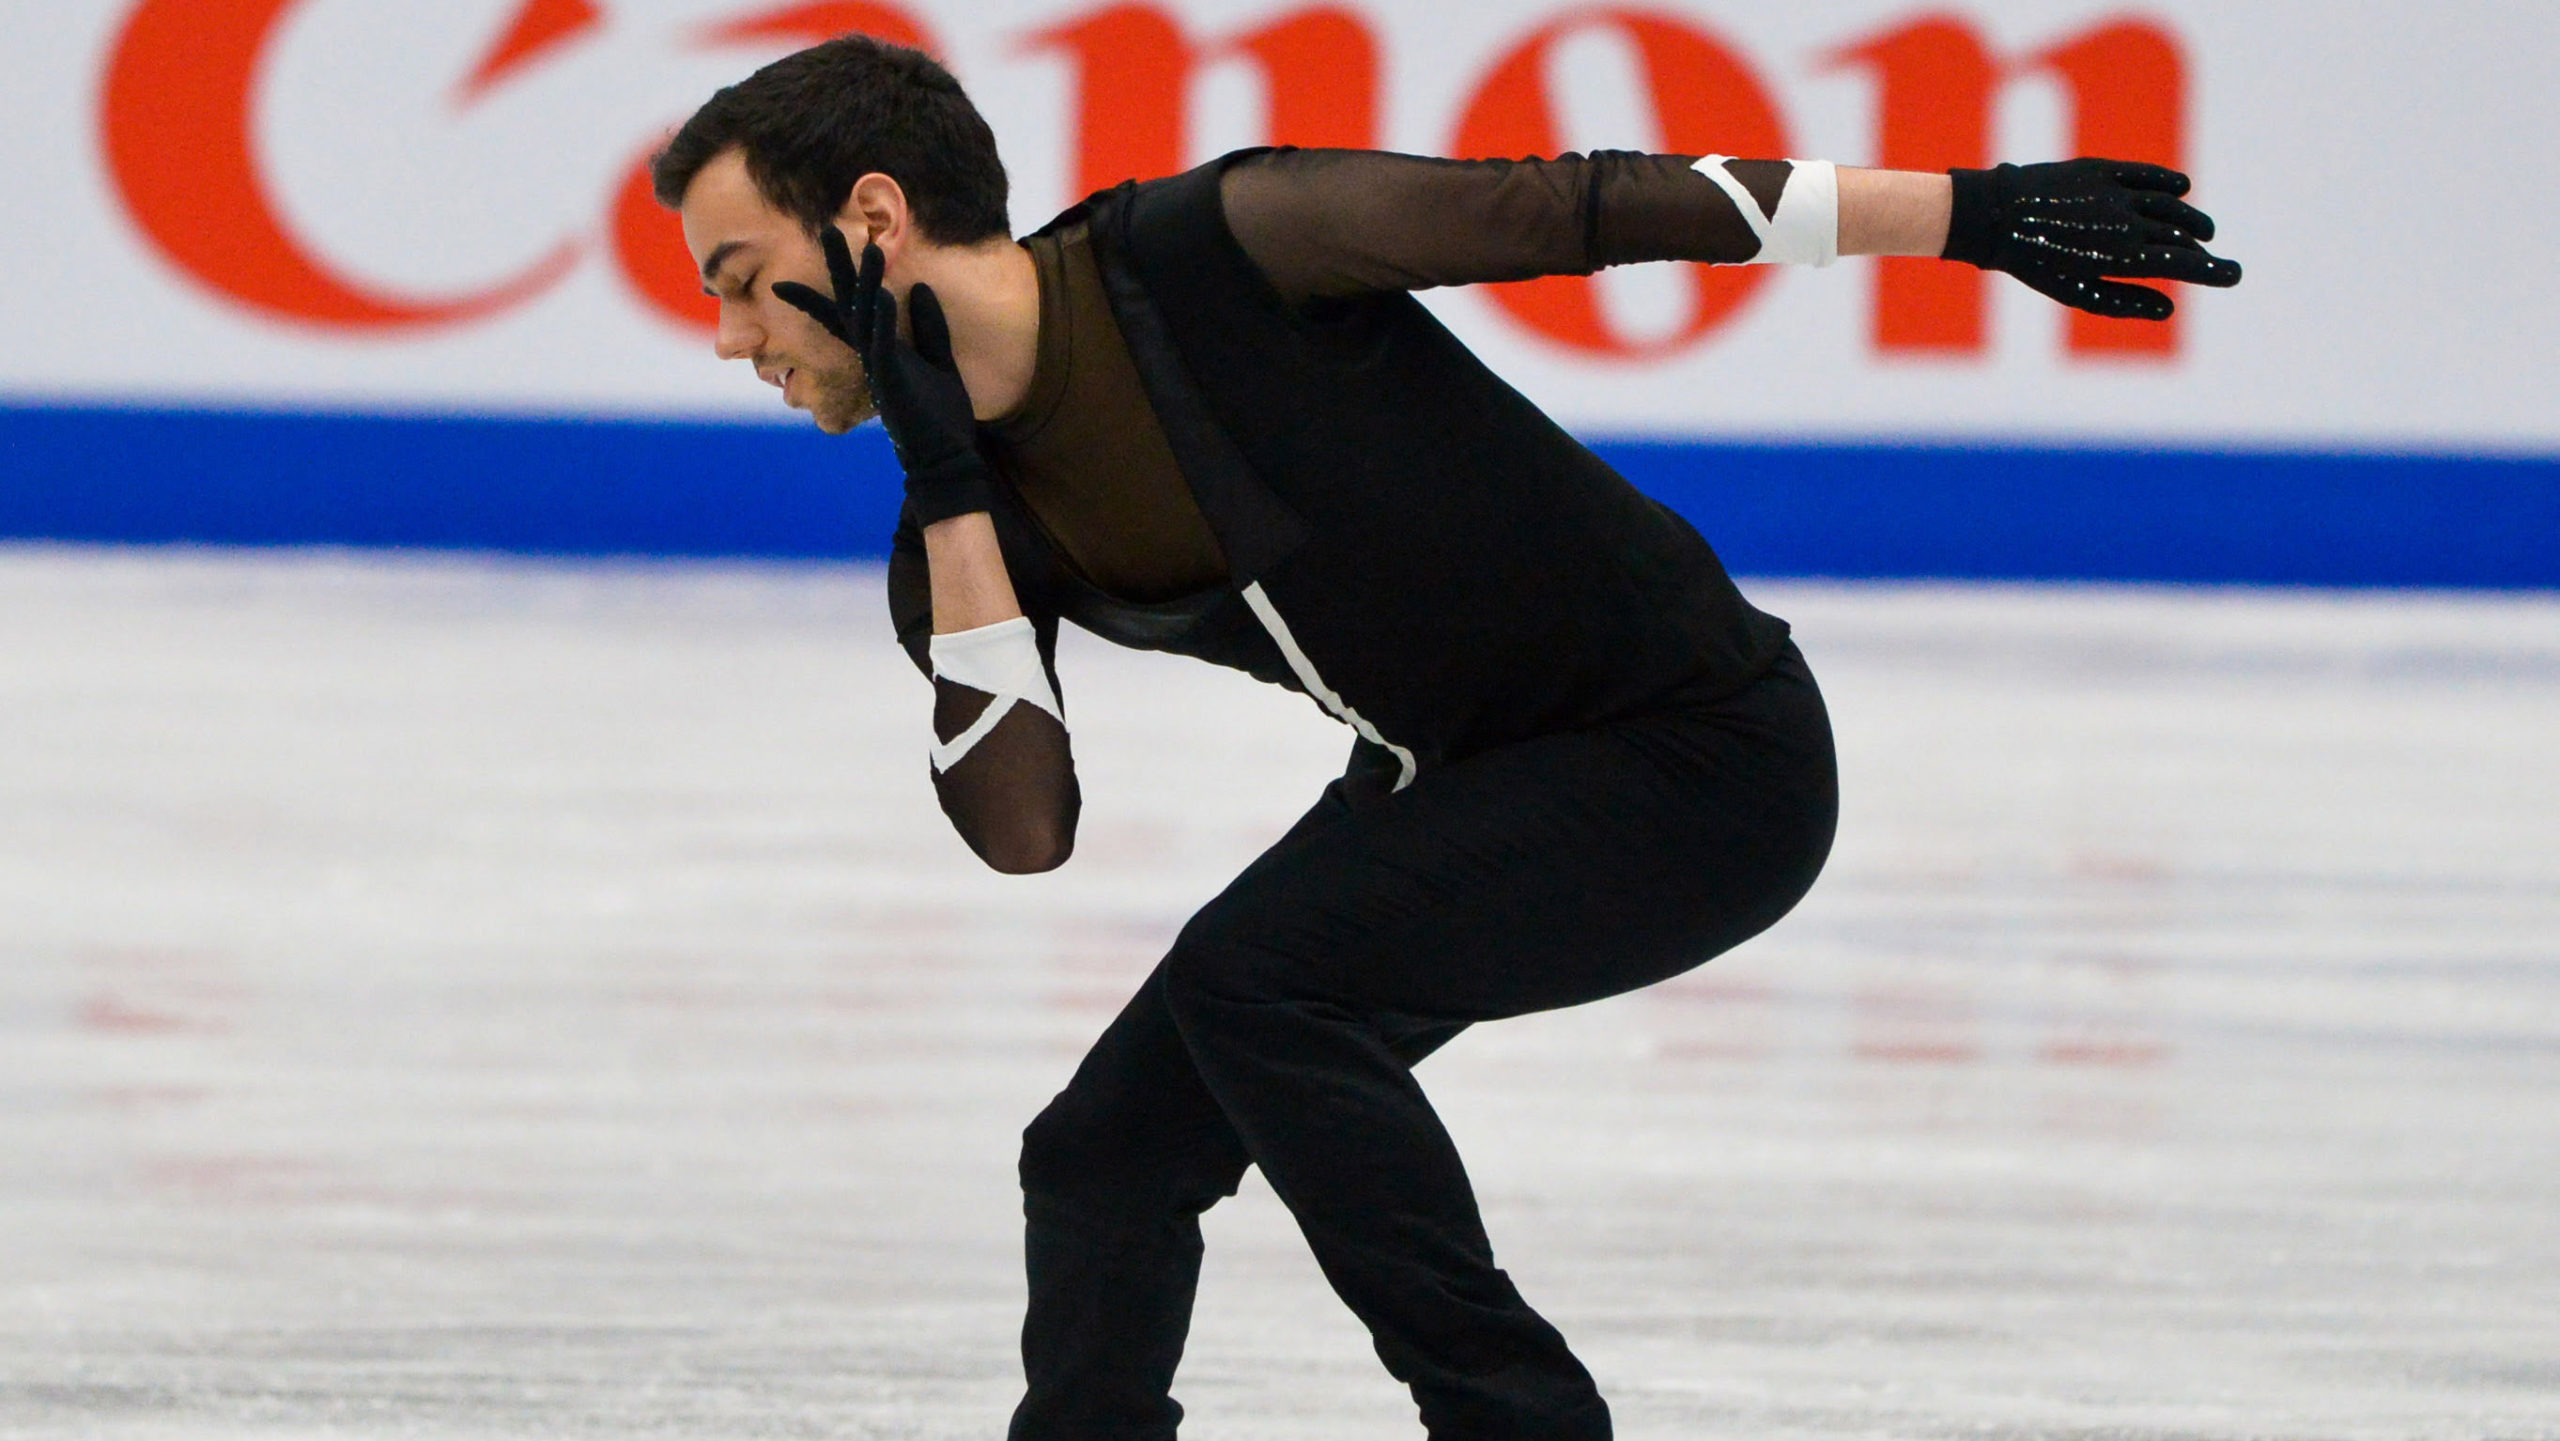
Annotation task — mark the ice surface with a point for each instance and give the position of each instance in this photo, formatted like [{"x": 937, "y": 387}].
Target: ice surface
[{"x": 447, "y": 999}]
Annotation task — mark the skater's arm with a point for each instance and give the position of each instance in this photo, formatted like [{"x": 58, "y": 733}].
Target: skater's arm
[
  {"x": 1335, "y": 223},
  {"x": 1339, "y": 223},
  {"x": 1002, "y": 767},
  {"x": 1894, "y": 212},
  {"x": 1000, "y": 760}
]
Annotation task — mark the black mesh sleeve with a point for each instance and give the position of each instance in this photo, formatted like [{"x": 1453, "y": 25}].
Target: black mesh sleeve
[
  {"x": 1013, "y": 798},
  {"x": 1332, "y": 223}
]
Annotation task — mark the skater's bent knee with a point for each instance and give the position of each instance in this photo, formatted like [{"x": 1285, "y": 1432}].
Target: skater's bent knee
[
  {"x": 1116, "y": 1168},
  {"x": 1226, "y": 959},
  {"x": 1063, "y": 1149}
]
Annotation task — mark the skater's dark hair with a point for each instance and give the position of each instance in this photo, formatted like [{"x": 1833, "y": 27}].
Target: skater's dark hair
[{"x": 813, "y": 123}]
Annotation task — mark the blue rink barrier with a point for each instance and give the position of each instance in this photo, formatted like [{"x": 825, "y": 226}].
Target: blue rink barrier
[{"x": 615, "y": 487}]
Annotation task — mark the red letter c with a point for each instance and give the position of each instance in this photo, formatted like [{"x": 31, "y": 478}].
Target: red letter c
[{"x": 178, "y": 142}]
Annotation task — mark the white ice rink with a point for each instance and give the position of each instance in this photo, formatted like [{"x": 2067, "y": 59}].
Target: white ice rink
[{"x": 442, "y": 999}]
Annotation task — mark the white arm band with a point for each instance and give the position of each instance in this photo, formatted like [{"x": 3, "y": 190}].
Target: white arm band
[
  {"x": 1004, "y": 661},
  {"x": 1806, "y": 229}
]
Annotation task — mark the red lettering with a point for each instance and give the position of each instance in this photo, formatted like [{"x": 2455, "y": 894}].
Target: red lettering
[
  {"x": 648, "y": 243},
  {"x": 177, "y": 128},
  {"x": 1708, "y": 101},
  {"x": 812, "y": 24},
  {"x": 540, "y": 27},
  {"x": 1934, "y": 113},
  {"x": 1938, "y": 83},
  {"x": 1134, "y": 68},
  {"x": 176, "y": 119},
  {"x": 2128, "y": 84}
]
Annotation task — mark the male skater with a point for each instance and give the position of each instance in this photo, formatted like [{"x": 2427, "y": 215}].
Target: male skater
[{"x": 1205, "y": 415}]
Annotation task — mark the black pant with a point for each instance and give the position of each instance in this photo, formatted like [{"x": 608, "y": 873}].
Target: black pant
[{"x": 1282, "y": 1029}]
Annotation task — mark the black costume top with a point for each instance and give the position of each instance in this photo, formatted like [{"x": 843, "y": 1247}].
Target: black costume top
[{"x": 1245, "y": 441}]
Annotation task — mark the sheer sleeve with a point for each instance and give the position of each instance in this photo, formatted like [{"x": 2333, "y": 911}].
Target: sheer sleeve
[
  {"x": 1002, "y": 766},
  {"x": 1333, "y": 223}
]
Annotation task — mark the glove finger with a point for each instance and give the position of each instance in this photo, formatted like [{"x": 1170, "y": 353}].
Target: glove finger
[
  {"x": 839, "y": 263},
  {"x": 931, "y": 328},
  {"x": 865, "y": 294},
  {"x": 2170, "y": 210},
  {"x": 2164, "y": 235},
  {"x": 2193, "y": 265},
  {"x": 2106, "y": 297},
  {"x": 2128, "y": 302},
  {"x": 2134, "y": 175},
  {"x": 880, "y": 346},
  {"x": 817, "y": 307}
]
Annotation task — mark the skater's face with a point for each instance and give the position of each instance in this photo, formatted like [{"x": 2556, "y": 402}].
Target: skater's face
[{"x": 744, "y": 245}]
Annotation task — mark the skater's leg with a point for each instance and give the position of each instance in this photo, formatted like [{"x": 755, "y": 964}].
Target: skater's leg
[
  {"x": 1545, "y": 874},
  {"x": 1115, "y": 1174}
]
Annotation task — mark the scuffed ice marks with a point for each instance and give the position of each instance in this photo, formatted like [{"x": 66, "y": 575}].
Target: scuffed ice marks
[{"x": 448, "y": 1000}]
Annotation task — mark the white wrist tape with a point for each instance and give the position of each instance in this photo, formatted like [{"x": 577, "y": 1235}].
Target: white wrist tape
[
  {"x": 1806, "y": 229},
  {"x": 1004, "y": 661}
]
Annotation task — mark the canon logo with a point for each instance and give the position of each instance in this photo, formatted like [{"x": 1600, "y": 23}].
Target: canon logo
[{"x": 177, "y": 125}]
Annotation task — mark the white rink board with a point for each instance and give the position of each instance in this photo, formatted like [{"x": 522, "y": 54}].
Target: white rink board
[
  {"x": 2383, "y": 168},
  {"x": 458, "y": 1001}
]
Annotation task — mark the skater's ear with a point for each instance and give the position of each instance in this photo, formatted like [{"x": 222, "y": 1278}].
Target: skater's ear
[{"x": 878, "y": 211}]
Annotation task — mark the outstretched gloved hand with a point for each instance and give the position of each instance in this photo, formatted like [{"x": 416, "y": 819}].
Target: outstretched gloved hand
[
  {"x": 923, "y": 403},
  {"x": 2075, "y": 229}
]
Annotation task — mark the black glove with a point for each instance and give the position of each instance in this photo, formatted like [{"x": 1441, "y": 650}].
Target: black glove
[
  {"x": 923, "y": 404},
  {"x": 2065, "y": 228}
]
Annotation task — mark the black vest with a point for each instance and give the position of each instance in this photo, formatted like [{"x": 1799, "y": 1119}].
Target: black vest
[{"x": 1412, "y": 542}]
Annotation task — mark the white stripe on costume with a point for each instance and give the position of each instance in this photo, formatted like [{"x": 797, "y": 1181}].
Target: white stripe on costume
[
  {"x": 1806, "y": 229},
  {"x": 1269, "y": 615},
  {"x": 1004, "y": 661}
]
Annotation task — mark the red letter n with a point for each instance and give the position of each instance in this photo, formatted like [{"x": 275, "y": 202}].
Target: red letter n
[
  {"x": 1134, "y": 68},
  {"x": 1939, "y": 81}
]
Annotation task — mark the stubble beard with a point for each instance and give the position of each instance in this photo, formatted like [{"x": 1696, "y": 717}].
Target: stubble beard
[{"x": 840, "y": 398}]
